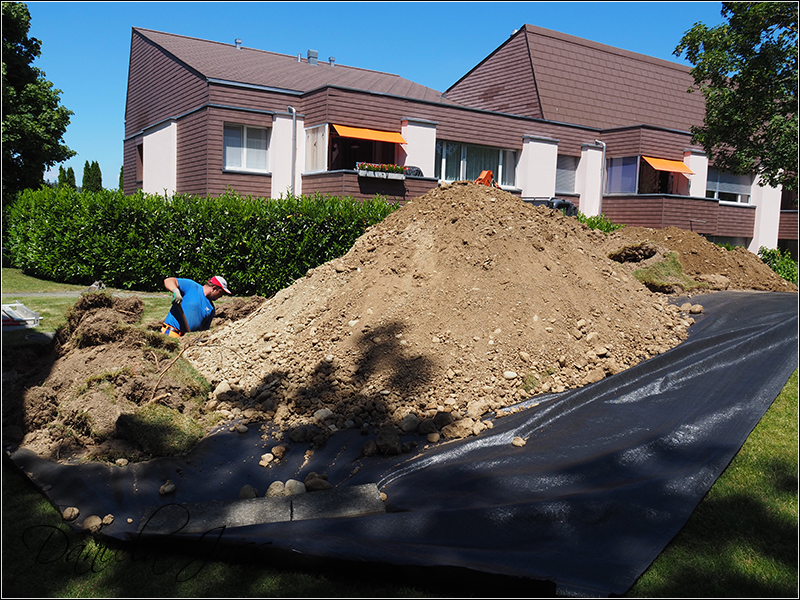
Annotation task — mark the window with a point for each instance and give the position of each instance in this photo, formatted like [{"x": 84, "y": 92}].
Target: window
[
  {"x": 466, "y": 161},
  {"x": 316, "y": 148},
  {"x": 244, "y": 148},
  {"x": 566, "y": 167},
  {"x": 727, "y": 187},
  {"x": 621, "y": 175}
]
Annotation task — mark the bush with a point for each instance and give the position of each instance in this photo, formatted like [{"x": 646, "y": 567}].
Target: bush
[
  {"x": 260, "y": 246},
  {"x": 779, "y": 262},
  {"x": 600, "y": 222}
]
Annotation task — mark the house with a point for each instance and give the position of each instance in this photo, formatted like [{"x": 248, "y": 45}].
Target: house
[{"x": 549, "y": 114}]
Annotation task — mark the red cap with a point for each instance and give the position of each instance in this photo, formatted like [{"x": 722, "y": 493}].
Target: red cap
[{"x": 219, "y": 281}]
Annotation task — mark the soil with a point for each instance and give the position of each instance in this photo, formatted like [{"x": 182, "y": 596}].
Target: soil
[{"x": 447, "y": 314}]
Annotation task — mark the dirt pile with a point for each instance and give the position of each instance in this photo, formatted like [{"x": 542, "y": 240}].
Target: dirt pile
[
  {"x": 461, "y": 303},
  {"x": 453, "y": 309},
  {"x": 71, "y": 399}
]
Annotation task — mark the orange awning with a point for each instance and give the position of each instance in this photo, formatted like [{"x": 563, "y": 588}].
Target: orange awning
[
  {"x": 375, "y": 135},
  {"x": 673, "y": 166}
]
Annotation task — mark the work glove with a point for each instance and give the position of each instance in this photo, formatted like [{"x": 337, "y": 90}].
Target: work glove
[{"x": 176, "y": 296}]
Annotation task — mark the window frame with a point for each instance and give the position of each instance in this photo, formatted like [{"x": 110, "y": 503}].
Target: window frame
[
  {"x": 244, "y": 147},
  {"x": 504, "y": 156}
]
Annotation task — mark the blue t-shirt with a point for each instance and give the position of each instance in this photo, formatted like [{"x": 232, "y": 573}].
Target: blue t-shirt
[{"x": 198, "y": 309}]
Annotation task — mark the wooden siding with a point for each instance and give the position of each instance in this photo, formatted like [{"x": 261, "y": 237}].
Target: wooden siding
[
  {"x": 249, "y": 98},
  {"x": 192, "y": 175},
  {"x": 129, "y": 182},
  {"x": 348, "y": 183},
  {"x": 158, "y": 87},
  {"x": 787, "y": 229},
  {"x": 701, "y": 215},
  {"x": 646, "y": 141},
  {"x": 736, "y": 221},
  {"x": 514, "y": 92},
  {"x": 259, "y": 185}
]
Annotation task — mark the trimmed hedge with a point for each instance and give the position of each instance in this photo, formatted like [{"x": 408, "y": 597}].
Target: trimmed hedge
[{"x": 133, "y": 242}]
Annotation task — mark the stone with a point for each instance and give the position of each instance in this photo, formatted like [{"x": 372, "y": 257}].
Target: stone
[
  {"x": 92, "y": 524},
  {"x": 460, "y": 429},
  {"x": 275, "y": 489},
  {"x": 167, "y": 488},
  {"x": 108, "y": 520},
  {"x": 518, "y": 441},
  {"x": 293, "y": 487},
  {"x": 266, "y": 459},
  {"x": 388, "y": 440},
  {"x": 409, "y": 423},
  {"x": 70, "y": 513}
]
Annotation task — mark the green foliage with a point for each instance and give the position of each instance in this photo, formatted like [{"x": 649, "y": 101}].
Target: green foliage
[
  {"x": 747, "y": 71},
  {"x": 779, "y": 262},
  {"x": 34, "y": 122},
  {"x": 260, "y": 246},
  {"x": 600, "y": 222},
  {"x": 92, "y": 177}
]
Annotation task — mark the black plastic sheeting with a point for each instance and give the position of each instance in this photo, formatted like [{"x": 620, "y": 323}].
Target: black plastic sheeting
[{"x": 609, "y": 475}]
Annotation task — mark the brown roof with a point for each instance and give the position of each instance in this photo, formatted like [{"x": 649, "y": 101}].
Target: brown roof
[
  {"x": 541, "y": 73},
  {"x": 215, "y": 60}
]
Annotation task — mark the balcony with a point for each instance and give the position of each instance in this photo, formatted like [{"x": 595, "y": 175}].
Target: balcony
[{"x": 349, "y": 183}]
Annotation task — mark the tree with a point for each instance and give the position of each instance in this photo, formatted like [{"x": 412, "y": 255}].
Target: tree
[
  {"x": 66, "y": 177},
  {"x": 92, "y": 177},
  {"x": 747, "y": 72},
  {"x": 34, "y": 121}
]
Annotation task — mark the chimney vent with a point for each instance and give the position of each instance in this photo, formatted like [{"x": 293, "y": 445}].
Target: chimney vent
[
  {"x": 313, "y": 55},
  {"x": 238, "y": 43},
  {"x": 332, "y": 60}
]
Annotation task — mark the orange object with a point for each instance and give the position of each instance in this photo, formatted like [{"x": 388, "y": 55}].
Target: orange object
[
  {"x": 673, "y": 166},
  {"x": 375, "y": 135},
  {"x": 486, "y": 178}
]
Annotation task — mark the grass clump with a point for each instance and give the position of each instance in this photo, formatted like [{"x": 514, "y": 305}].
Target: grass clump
[
  {"x": 667, "y": 276},
  {"x": 161, "y": 431}
]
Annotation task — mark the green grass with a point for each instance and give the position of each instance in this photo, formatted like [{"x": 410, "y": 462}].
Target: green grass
[{"x": 663, "y": 275}]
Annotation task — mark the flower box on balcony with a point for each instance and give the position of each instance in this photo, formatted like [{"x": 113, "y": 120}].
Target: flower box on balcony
[{"x": 381, "y": 174}]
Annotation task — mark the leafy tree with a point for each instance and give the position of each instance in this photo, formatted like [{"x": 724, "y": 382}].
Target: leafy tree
[
  {"x": 92, "y": 177},
  {"x": 34, "y": 122},
  {"x": 747, "y": 71}
]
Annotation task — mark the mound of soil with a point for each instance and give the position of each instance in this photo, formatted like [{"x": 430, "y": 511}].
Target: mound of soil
[
  {"x": 450, "y": 311},
  {"x": 68, "y": 400}
]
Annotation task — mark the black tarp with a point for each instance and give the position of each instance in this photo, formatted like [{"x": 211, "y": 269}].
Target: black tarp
[{"x": 609, "y": 474}]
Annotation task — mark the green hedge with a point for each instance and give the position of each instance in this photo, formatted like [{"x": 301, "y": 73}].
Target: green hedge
[{"x": 133, "y": 242}]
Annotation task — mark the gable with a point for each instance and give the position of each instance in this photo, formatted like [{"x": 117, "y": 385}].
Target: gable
[{"x": 584, "y": 83}]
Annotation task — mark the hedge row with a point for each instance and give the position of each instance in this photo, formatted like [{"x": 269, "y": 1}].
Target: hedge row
[{"x": 133, "y": 242}]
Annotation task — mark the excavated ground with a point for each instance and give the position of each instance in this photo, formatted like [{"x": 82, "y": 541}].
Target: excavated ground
[{"x": 450, "y": 311}]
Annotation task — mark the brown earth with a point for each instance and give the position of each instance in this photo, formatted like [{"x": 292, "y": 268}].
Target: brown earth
[{"x": 453, "y": 309}]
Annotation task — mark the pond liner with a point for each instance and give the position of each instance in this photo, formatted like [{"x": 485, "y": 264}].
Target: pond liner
[{"x": 608, "y": 475}]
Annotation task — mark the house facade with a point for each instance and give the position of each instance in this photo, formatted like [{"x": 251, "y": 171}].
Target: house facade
[{"x": 549, "y": 114}]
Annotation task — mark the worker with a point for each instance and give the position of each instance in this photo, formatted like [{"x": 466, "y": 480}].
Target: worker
[{"x": 192, "y": 304}]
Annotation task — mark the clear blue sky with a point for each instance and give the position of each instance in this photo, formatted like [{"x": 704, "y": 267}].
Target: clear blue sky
[{"x": 86, "y": 45}]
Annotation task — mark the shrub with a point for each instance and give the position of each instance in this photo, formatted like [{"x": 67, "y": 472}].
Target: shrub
[
  {"x": 780, "y": 262},
  {"x": 600, "y": 222},
  {"x": 259, "y": 245}
]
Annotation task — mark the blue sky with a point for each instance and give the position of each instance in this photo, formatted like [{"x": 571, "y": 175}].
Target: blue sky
[{"x": 86, "y": 45}]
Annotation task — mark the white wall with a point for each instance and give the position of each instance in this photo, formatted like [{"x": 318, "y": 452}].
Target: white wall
[
  {"x": 280, "y": 154},
  {"x": 589, "y": 180},
  {"x": 767, "y": 201},
  {"x": 160, "y": 149},
  {"x": 536, "y": 168},
  {"x": 698, "y": 163},
  {"x": 420, "y": 148}
]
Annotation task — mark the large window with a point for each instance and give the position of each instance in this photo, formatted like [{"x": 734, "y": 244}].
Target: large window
[
  {"x": 728, "y": 187},
  {"x": 245, "y": 148},
  {"x": 456, "y": 161},
  {"x": 622, "y": 175}
]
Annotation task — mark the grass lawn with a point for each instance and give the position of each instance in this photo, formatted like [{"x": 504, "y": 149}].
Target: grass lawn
[{"x": 740, "y": 542}]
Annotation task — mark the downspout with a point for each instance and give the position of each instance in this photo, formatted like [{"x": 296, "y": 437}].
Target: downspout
[
  {"x": 294, "y": 144},
  {"x": 602, "y": 177}
]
